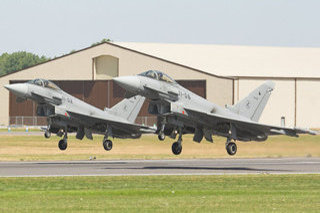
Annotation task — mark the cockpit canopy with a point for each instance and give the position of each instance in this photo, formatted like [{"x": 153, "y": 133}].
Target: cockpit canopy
[
  {"x": 44, "y": 83},
  {"x": 158, "y": 76}
]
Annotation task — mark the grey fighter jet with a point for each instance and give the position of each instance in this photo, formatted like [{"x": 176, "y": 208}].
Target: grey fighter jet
[
  {"x": 180, "y": 111},
  {"x": 66, "y": 113}
]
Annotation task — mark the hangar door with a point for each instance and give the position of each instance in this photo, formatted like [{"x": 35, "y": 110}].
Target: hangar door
[{"x": 99, "y": 93}]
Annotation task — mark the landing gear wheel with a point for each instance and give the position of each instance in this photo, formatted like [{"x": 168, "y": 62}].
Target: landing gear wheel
[
  {"x": 107, "y": 145},
  {"x": 231, "y": 148},
  {"x": 63, "y": 144},
  {"x": 161, "y": 136},
  {"x": 47, "y": 134},
  {"x": 176, "y": 148}
]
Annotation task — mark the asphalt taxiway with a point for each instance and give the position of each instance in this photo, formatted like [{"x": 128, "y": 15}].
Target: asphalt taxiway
[
  {"x": 21, "y": 133},
  {"x": 161, "y": 167}
]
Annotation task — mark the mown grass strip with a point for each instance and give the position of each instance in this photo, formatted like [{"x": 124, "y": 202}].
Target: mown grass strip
[
  {"x": 240, "y": 193},
  {"x": 30, "y": 148}
]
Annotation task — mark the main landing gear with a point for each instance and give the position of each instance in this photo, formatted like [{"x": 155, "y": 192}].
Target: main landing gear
[
  {"x": 161, "y": 135},
  {"x": 63, "y": 143},
  {"x": 177, "y": 146},
  {"x": 107, "y": 144},
  {"x": 231, "y": 147},
  {"x": 47, "y": 134}
]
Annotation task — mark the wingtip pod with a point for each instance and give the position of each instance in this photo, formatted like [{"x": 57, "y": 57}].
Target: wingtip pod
[
  {"x": 293, "y": 132},
  {"x": 307, "y": 131},
  {"x": 311, "y": 132}
]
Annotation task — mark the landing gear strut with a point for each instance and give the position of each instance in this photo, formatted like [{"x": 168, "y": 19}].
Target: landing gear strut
[
  {"x": 177, "y": 146},
  {"x": 161, "y": 135},
  {"x": 231, "y": 147},
  {"x": 63, "y": 143}
]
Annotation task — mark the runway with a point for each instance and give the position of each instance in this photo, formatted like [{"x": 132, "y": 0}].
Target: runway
[
  {"x": 21, "y": 133},
  {"x": 161, "y": 167}
]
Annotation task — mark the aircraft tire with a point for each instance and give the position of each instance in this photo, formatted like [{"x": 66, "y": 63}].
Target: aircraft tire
[
  {"x": 176, "y": 148},
  {"x": 63, "y": 144},
  {"x": 231, "y": 148},
  {"x": 47, "y": 134},
  {"x": 107, "y": 145},
  {"x": 161, "y": 136}
]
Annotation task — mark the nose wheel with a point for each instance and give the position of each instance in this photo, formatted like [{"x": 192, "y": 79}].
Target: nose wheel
[
  {"x": 231, "y": 147},
  {"x": 107, "y": 144}
]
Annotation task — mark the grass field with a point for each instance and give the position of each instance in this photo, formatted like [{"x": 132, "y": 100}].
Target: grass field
[
  {"x": 246, "y": 193},
  {"x": 26, "y": 148}
]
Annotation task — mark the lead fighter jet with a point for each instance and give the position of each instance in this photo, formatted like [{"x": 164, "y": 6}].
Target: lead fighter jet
[
  {"x": 66, "y": 113},
  {"x": 180, "y": 111}
]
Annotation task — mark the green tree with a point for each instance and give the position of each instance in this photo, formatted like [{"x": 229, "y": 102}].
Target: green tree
[
  {"x": 19, "y": 60},
  {"x": 102, "y": 41},
  {"x": 72, "y": 51}
]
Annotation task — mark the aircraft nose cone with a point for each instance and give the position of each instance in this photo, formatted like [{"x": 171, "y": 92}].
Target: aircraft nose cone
[
  {"x": 130, "y": 83},
  {"x": 18, "y": 89}
]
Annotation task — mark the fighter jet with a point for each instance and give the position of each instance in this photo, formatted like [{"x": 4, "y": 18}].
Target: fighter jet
[
  {"x": 179, "y": 111},
  {"x": 66, "y": 113}
]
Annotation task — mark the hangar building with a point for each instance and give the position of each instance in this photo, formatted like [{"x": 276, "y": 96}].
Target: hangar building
[{"x": 221, "y": 73}]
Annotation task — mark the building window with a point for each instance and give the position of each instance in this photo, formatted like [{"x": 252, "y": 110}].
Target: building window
[{"x": 106, "y": 67}]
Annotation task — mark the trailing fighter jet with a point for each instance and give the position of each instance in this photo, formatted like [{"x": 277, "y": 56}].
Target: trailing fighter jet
[
  {"x": 66, "y": 113},
  {"x": 180, "y": 111}
]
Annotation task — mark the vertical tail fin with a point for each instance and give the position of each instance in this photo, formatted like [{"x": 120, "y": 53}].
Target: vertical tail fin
[
  {"x": 129, "y": 108},
  {"x": 253, "y": 105}
]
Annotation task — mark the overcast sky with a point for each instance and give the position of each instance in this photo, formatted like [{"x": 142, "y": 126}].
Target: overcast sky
[{"x": 55, "y": 27}]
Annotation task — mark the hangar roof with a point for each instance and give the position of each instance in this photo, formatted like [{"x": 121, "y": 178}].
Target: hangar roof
[
  {"x": 234, "y": 61},
  {"x": 228, "y": 60}
]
